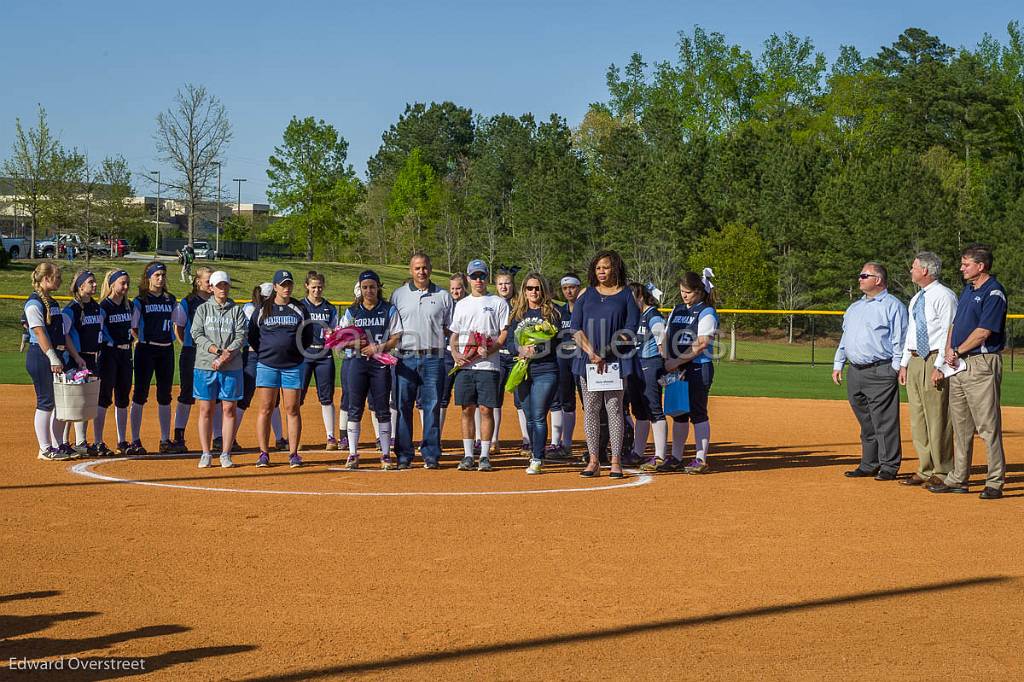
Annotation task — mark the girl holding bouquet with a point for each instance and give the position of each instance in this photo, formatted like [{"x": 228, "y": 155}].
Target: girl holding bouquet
[{"x": 536, "y": 321}]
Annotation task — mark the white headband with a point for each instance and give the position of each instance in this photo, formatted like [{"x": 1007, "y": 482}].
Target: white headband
[
  {"x": 569, "y": 281},
  {"x": 655, "y": 291},
  {"x": 705, "y": 277}
]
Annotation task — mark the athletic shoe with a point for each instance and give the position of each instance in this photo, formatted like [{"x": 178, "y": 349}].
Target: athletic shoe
[
  {"x": 386, "y": 464},
  {"x": 431, "y": 465},
  {"x": 379, "y": 448},
  {"x": 404, "y": 465},
  {"x": 535, "y": 466},
  {"x": 669, "y": 464},
  {"x": 554, "y": 453},
  {"x": 168, "y": 447},
  {"x": 264, "y": 460},
  {"x": 650, "y": 465},
  {"x": 352, "y": 462},
  {"x": 136, "y": 449},
  {"x": 631, "y": 459},
  {"x": 466, "y": 464},
  {"x": 282, "y": 444},
  {"x": 343, "y": 443},
  {"x": 485, "y": 464},
  {"x": 295, "y": 461},
  {"x": 68, "y": 450},
  {"x": 225, "y": 461},
  {"x": 205, "y": 460},
  {"x": 696, "y": 466},
  {"x": 53, "y": 455},
  {"x": 235, "y": 447},
  {"x": 102, "y": 450},
  {"x": 476, "y": 449},
  {"x": 525, "y": 449},
  {"x": 332, "y": 444},
  {"x": 218, "y": 443},
  {"x": 123, "y": 448}
]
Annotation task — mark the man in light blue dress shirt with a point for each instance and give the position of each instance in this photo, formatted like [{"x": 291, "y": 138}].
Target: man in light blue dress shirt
[{"x": 874, "y": 328}]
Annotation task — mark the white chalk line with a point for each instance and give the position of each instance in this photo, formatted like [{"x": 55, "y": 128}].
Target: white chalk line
[{"x": 85, "y": 468}]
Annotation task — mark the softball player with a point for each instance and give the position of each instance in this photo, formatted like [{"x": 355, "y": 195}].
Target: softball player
[
  {"x": 643, "y": 390},
  {"x": 259, "y": 294},
  {"x": 688, "y": 349},
  {"x": 279, "y": 335},
  {"x": 115, "y": 363},
  {"x": 152, "y": 323},
  {"x": 184, "y": 314},
  {"x": 49, "y": 338},
  {"x": 381, "y": 322},
  {"x": 85, "y": 319},
  {"x": 320, "y": 362},
  {"x": 563, "y": 411}
]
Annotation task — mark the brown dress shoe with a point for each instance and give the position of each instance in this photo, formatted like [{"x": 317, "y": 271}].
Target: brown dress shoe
[
  {"x": 934, "y": 480},
  {"x": 914, "y": 480}
]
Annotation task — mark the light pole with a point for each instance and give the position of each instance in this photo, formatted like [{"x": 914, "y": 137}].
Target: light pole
[
  {"x": 239, "y": 181},
  {"x": 218, "y": 206},
  {"x": 156, "y": 223}
]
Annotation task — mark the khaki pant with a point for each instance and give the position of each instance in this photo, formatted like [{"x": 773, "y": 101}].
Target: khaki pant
[
  {"x": 929, "y": 419},
  {"x": 974, "y": 407}
]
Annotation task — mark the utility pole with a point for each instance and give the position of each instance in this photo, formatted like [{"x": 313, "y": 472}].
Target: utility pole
[
  {"x": 239, "y": 181},
  {"x": 156, "y": 223},
  {"x": 218, "y": 208}
]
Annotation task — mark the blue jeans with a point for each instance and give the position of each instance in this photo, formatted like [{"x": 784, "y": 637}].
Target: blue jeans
[
  {"x": 536, "y": 394},
  {"x": 421, "y": 376}
]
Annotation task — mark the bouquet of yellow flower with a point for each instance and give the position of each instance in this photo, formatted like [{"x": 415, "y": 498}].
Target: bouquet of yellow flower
[{"x": 529, "y": 332}]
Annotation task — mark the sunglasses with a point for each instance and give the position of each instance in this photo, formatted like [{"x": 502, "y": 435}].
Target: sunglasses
[
  {"x": 478, "y": 277},
  {"x": 865, "y": 275},
  {"x": 532, "y": 288}
]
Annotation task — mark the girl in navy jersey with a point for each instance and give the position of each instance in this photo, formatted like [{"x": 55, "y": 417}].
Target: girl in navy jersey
[
  {"x": 380, "y": 320},
  {"x": 643, "y": 389},
  {"x": 115, "y": 362},
  {"x": 48, "y": 339},
  {"x": 320, "y": 362},
  {"x": 688, "y": 349},
  {"x": 279, "y": 336},
  {"x": 184, "y": 313},
  {"x": 563, "y": 410},
  {"x": 84, "y": 315},
  {"x": 152, "y": 322},
  {"x": 259, "y": 294}
]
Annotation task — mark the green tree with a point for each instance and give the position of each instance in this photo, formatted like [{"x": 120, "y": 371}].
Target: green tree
[{"x": 30, "y": 169}]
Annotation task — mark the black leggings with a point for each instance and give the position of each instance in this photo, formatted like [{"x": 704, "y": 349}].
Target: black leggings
[
  {"x": 115, "y": 376},
  {"x": 186, "y": 375},
  {"x": 150, "y": 360},
  {"x": 368, "y": 377}
]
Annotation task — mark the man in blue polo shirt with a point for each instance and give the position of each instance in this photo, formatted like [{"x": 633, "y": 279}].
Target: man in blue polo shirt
[
  {"x": 977, "y": 337},
  {"x": 874, "y": 327}
]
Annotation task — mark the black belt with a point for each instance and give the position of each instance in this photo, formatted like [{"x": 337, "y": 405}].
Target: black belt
[{"x": 887, "y": 361}]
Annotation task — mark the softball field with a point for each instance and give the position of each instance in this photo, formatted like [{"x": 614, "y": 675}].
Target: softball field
[{"x": 773, "y": 565}]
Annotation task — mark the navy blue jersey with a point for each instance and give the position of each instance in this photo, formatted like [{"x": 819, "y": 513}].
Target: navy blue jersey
[
  {"x": 983, "y": 307},
  {"x": 323, "y": 313},
  {"x": 378, "y": 323},
  {"x": 117, "y": 323},
  {"x": 153, "y": 318},
  {"x": 187, "y": 313},
  {"x": 280, "y": 337},
  {"x": 86, "y": 323},
  {"x": 55, "y": 328},
  {"x": 565, "y": 335},
  {"x": 645, "y": 340},
  {"x": 682, "y": 330}
]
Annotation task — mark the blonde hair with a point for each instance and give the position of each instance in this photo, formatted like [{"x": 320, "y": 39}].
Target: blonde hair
[
  {"x": 74, "y": 289},
  {"x": 144, "y": 281},
  {"x": 547, "y": 307},
  {"x": 200, "y": 271},
  {"x": 105, "y": 291},
  {"x": 43, "y": 271}
]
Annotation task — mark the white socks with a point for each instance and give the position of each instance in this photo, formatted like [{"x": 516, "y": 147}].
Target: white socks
[
  {"x": 568, "y": 426},
  {"x": 660, "y": 429},
  {"x": 376, "y": 425},
  {"x": 136, "y": 421},
  {"x": 421, "y": 419},
  {"x": 523, "y": 428},
  {"x": 354, "y": 428},
  {"x": 702, "y": 437},
  {"x": 56, "y": 430},
  {"x": 121, "y": 418},
  {"x": 476, "y": 420},
  {"x": 181, "y": 414},
  {"x": 164, "y": 412},
  {"x": 218, "y": 422},
  {"x": 640, "y": 433},
  {"x": 394, "y": 416},
  {"x": 99, "y": 424},
  {"x": 41, "y": 421},
  {"x": 485, "y": 449},
  {"x": 557, "y": 419},
  {"x": 384, "y": 433},
  {"x": 275, "y": 422},
  {"x": 467, "y": 448},
  {"x": 342, "y": 420},
  {"x": 496, "y": 434},
  {"x": 328, "y": 414},
  {"x": 680, "y": 432},
  {"x": 80, "y": 432}
]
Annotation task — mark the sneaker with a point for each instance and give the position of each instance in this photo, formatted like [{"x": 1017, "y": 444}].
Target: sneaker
[
  {"x": 343, "y": 443},
  {"x": 631, "y": 459},
  {"x": 123, "y": 448},
  {"x": 80, "y": 449},
  {"x": 332, "y": 444},
  {"x": 379, "y": 448},
  {"x": 136, "y": 449},
  {"x": 264, "y": 460},
  {"x": 66, "y": 449},
  {"x": 205, "y": 460},
  {"x": 102, "y": 450},
  {"x": 404, "y": 465},
  {"x": 431, "y": 465},
  {"x": 168, "y": 447},
  {"x": 525, "y": 449},
  {"x": 53, "y": 455},
  {"x": 650, "y": 465},
  {"x": 696, "y": 466},
  {"x": 535, "y": 466},
  {"x": 352, "y": 462},
  {"x": 485, "y": 464},
  {"x": 282, "y": 444},
  {"x": 554, "y": 453},
  {"x": 386, "y": 463},
  {"x": 466, "y": 464},
  {"x": 295, "y": 461},
  {"x": 669, "y": 464},
  {"x": 225, "y": 461},
  {"x": 218, "y": 443}
]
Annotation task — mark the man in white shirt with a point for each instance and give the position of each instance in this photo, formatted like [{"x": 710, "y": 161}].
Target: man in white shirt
[
  {"x": 932, "y": 310},
  {"x": 477, "y": 382}
]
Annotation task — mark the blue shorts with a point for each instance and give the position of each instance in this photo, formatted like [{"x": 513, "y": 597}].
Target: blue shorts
[
  {"x": 208, "y": 384},
  {"x": 271, "y": 377}
]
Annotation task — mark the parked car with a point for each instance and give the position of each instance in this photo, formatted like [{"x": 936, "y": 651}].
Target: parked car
[
  {"x": 16, "y": 247},
  {"x": 203, "y": 250},
  {"x": 118, "y": 248}
]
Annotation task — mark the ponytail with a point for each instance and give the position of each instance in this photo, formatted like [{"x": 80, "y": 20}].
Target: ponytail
[{"x": 43, "y": 271}]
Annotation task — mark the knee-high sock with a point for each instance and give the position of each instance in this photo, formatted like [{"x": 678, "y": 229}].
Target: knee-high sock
[
  {"x": 495, "y": 435},
  {"x": 136, "y": 421},
  {"x": 641, "y": 431},
  {"x": 80, "y": 435},
  {"x": 444, "y": 413},
  {"x": 660, "y": 429},
  {"x": 421, "y": 419},
  {"x": 394, "y": 416},
  {"x": 275, "y": 423},
  {"x": 354, "y": 428},
  {"x": 476, "y": 421},
  {"x": 384, "y": 433},
  {"x": 99, "y": 424},
  {"x": 568, "y": 426},
  {"x": 523, "y": 429},
  {"x": 557, "y": 419},
  {"x": 702, "y": 438},
  {"x": 218, "y": 422},
  {"x": 164, "y": 413},
  {"x": 628, "y": 420},
  {"x": 680, "y": 432},
  {"x": 41, "y": 421},
  {"x": 57, "y": 437},
  {"x": 342, "y": 421},
  {"x": 121, "y": 419},
  {"x": 328, "y": 414},
  {"x": 376, "y": 425},
  {"x": 181, "y": 414}
]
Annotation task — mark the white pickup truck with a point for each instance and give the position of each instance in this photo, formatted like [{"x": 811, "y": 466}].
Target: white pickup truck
[{"x": 16, "y": 247}]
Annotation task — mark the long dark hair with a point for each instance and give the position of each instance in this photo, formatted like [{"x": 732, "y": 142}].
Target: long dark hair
[
  {"x": 618, "y": 268},
  {"x": 641, "y": 292},
  {"x": 693, "y": 282}
]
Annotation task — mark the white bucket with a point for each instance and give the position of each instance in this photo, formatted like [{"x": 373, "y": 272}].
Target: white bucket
[{"x": 76, "y": 402}]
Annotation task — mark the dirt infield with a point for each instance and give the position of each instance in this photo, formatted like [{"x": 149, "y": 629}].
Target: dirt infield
[{"x": 771, "y": 566}]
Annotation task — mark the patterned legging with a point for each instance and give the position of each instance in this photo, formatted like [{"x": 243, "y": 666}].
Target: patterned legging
[{"x": 592, "y": 419}]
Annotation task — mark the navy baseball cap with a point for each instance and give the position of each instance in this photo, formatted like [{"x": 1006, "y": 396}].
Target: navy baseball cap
[
  {"x": 282, "y": 276},
  {"x": 369, "y": 274},
  {"x": 477, "y": 265}
]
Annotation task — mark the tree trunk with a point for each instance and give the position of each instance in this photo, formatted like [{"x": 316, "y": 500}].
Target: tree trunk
[
  {"x": 732, "y": 340},
  {"x": 791, "y": 329},
  {"x": 309, "y": 243}
]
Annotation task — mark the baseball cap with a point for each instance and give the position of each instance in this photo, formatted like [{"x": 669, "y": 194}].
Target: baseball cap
[
  {"x": 266, "y": 289},
  {"x": 477, "y": 265},
  {"x": 282, "y": 276},
  {"x": 218, "y": 277}
]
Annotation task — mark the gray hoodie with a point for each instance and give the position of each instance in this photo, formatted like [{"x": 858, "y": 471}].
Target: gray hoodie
[{"x": 223, "y": 326}]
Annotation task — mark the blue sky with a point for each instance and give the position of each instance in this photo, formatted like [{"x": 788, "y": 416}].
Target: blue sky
[{"x": 104, "y": 70}]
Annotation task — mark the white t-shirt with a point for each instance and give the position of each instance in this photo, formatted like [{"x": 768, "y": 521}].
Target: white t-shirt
[{"x": 487, "y": 314}]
